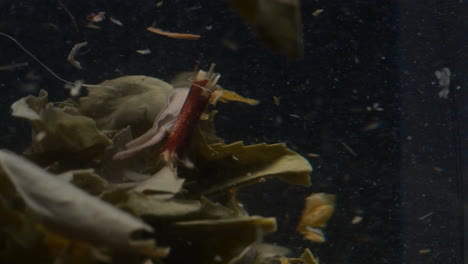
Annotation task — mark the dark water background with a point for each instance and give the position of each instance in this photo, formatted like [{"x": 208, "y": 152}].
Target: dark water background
[{"x": 366, "y": 62}]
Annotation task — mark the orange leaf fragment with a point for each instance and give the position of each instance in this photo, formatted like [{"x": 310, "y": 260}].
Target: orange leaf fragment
[{"x": 173, "y": 35}]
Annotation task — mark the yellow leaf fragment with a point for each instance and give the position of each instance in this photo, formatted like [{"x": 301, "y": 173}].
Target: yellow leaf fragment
[
  {"x": 225, "y": 96},
  {"x": 308, "y": 257},
  {"x": 276, "y": 100},
  {"x": 284, "y": 260},
  {"x": 319, "y": 207}
]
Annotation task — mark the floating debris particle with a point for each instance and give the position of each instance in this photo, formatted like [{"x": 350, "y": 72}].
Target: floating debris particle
[
  {"x": 372, "y": 125},
  {"x": 159, "y": 4},
  {"x": 425, "y": 216},
  {"x": 96, "y": 17},
  {"x": 76, "y": 88},
  {"x": 349, "y": 149},
  {"x": 173, "y": 35},
  {"x": 356, "y": 60},
  {"x": 313, "y": 155},
  {"x": 40, "y": 136},
  {"x": 144, "y": 51},
  {"x": 276, "y": 100},
  {"x": 443, "y": 76},
  {"x": 13, "y": 66},
  {"x": 356, "y": 219},
  {"x": 317, "y": 12},
  {"x": 295, "y": 116},
  {"x": 230, "y": 45},
  {"x": 74, "y": 50},
  {"x": 116, "y": 21},
  {"x": 93, "y": 26},
  {"x": 375, "y": 107},
  {"x": 41, "y": 63},
  {"x": 50, "y": 26},
  {"x": 425, "y": 251}
]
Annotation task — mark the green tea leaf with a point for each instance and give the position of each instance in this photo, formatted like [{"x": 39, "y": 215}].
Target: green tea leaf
[
  {"x": 223, "y": 167},
  {"x": 57, "y": 132}
]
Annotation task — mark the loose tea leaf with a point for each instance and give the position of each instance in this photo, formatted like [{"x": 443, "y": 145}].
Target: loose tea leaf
[
  {"x": 86, "y": 180},
  {"x": 230, "y": 166},
  {"x": 73, "y": 212},
  {"x": 127, "y": 101},
  {"x": 319, "y": 207},
  {"x": 99, "y": 201},
  {"x": 156, "y": 208},
  {"x": 164, "y": 184},
  {"x": 56, "y": 131},
  {"x": 163, "y": 124}
]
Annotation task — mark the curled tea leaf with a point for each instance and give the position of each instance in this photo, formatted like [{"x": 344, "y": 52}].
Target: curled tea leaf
[
  {"x": 318, "y": 208},
  {"x": 163, "y": 124},
  {"x": 57, "y": 130},
  {"x": 74, "y": 213},
  {"x": 127, "y": 101}
]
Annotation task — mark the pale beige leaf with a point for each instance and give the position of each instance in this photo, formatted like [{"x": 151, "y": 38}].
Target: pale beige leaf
[
  {"x": 164, "y": 183},
  {"x": 126, "y": 101},
  {"x": 73, "y": 212}
]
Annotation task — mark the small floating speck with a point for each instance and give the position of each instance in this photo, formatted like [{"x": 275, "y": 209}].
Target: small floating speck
[
  {"x": 115, "y": 21},
  {"x": 96, "y": 17},
  {"x": 356, "y": 219},
  {"x": 439, "y": 169},
  {"x": 295, "y": 116},
  {"x": 276, "y": 100},
  {"x": 144, "y": 51},
  {"x": 425, "y": 251},
  {"x": 372, "y": 125},
  {"x": 317, "y": 12},
  {"x": 349, "y": 149}
]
